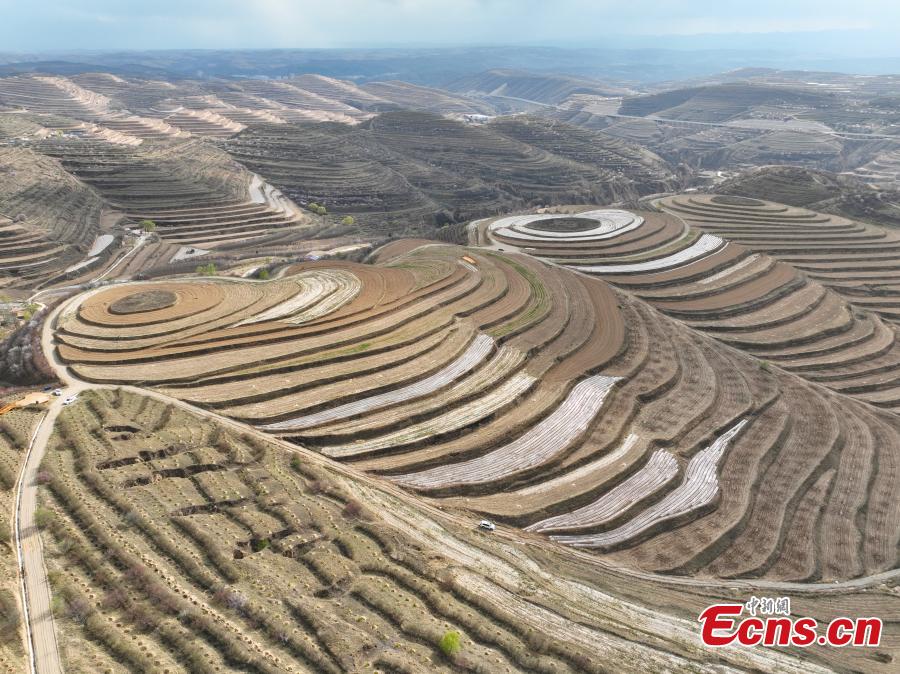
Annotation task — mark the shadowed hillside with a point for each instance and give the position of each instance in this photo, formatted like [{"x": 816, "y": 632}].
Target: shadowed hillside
[{"x": 401, "y": 167}]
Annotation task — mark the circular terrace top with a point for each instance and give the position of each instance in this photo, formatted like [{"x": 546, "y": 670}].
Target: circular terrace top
[
  {"x": 564, "y": 224},
  {"x": 146, "y": 300},
  {"x": 731, "y": 200}
]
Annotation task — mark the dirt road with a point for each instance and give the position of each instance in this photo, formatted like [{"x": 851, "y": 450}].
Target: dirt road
[{"x": 42, "y": 646}]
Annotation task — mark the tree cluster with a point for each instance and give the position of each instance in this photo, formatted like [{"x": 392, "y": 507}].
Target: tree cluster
[{"x": 23, "y": 361}]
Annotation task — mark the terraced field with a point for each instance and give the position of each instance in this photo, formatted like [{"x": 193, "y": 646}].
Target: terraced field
[
  {"x": 857, "y": 351},
  {"x": 745, "y": 299},
  {"x": 191, "y": 190},
  {"x": 27, "y": 255},
  {"x": 177, "y": 538},
  {"x": 581, "y": 145},
  {"x": 45, "y": 195},
  {"x": 166, "y": 109},
  {"x": 419, "y": 169},
  {"x": 788, "y": 147},
  {"x": 48, "y": 218},
  {"x": 526, "y": 86},
  {"x": 406, "y": 96},
  {"x": 151, "y": 149},
  {"x": 51, "y": 95},
  {"x": 544, "y": 398},
  {"x": 659, "y": 409},
  {"x": 723, "y": 102}
]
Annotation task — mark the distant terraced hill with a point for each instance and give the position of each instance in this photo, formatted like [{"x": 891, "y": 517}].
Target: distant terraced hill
[
  {"x": 719, "y": 103},
  {"x": 529, "y": 86},
  {"x": 787, "y": 147},
  {"x": 51, "y": 95},
  {"x": 339, "y": 90},
  {"x": 589, "y": 147},
  {"x": 841, "y": 194},
  {"x": 404, "y": 96},
  {"x": 406, "y": 167},
  {"x": 777, "y": 137},
  {"x": 222, "y": 107},
  {"x": 40, "y": 189},
  {"x": 739, "y": 125},
  {"x": 192, "y": 190},
  {"x": 791, "y": 185}
]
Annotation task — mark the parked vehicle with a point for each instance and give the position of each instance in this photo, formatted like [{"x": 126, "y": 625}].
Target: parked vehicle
[{"x": 487, "y": 525}]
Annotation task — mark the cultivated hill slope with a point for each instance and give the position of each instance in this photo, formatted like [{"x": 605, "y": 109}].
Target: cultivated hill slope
[
  {"x": 218, "y": 550},
  {"x": 719, "y": 103},
  {"x": 48, "y": 218},
  {"x": 856, "y": 260},
  {"x": 589, "y": 147},
  {"x": 404, "y": 167},
  {"x": 541, "y": 87},
  {"x": 397, "y": 95},
  {"x": 193, "y": 191},
  {"x": 40, "y": 189},
  {"x": 841, "y": 194},
  {"x": 542, "y": 397},
  {"x": 791, "y": 185}
]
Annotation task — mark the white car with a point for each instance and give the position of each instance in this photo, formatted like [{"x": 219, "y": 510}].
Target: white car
[
  {"x": 487, "y": 524},
  {"x": 57, "y": 392},
  {"x": 70, "y": 400}
]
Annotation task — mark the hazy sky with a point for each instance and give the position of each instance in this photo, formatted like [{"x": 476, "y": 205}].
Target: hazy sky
[{"x": 120, "y": 24}]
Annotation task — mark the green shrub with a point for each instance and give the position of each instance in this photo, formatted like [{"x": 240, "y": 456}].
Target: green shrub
[
  {"x": 43, "y": 517},
  {"x": 263, "y": 274},
  {"x": 348, "y": 220},
  {"x": 450, "y": 644},
  {"x": 207, "y": 269}
]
